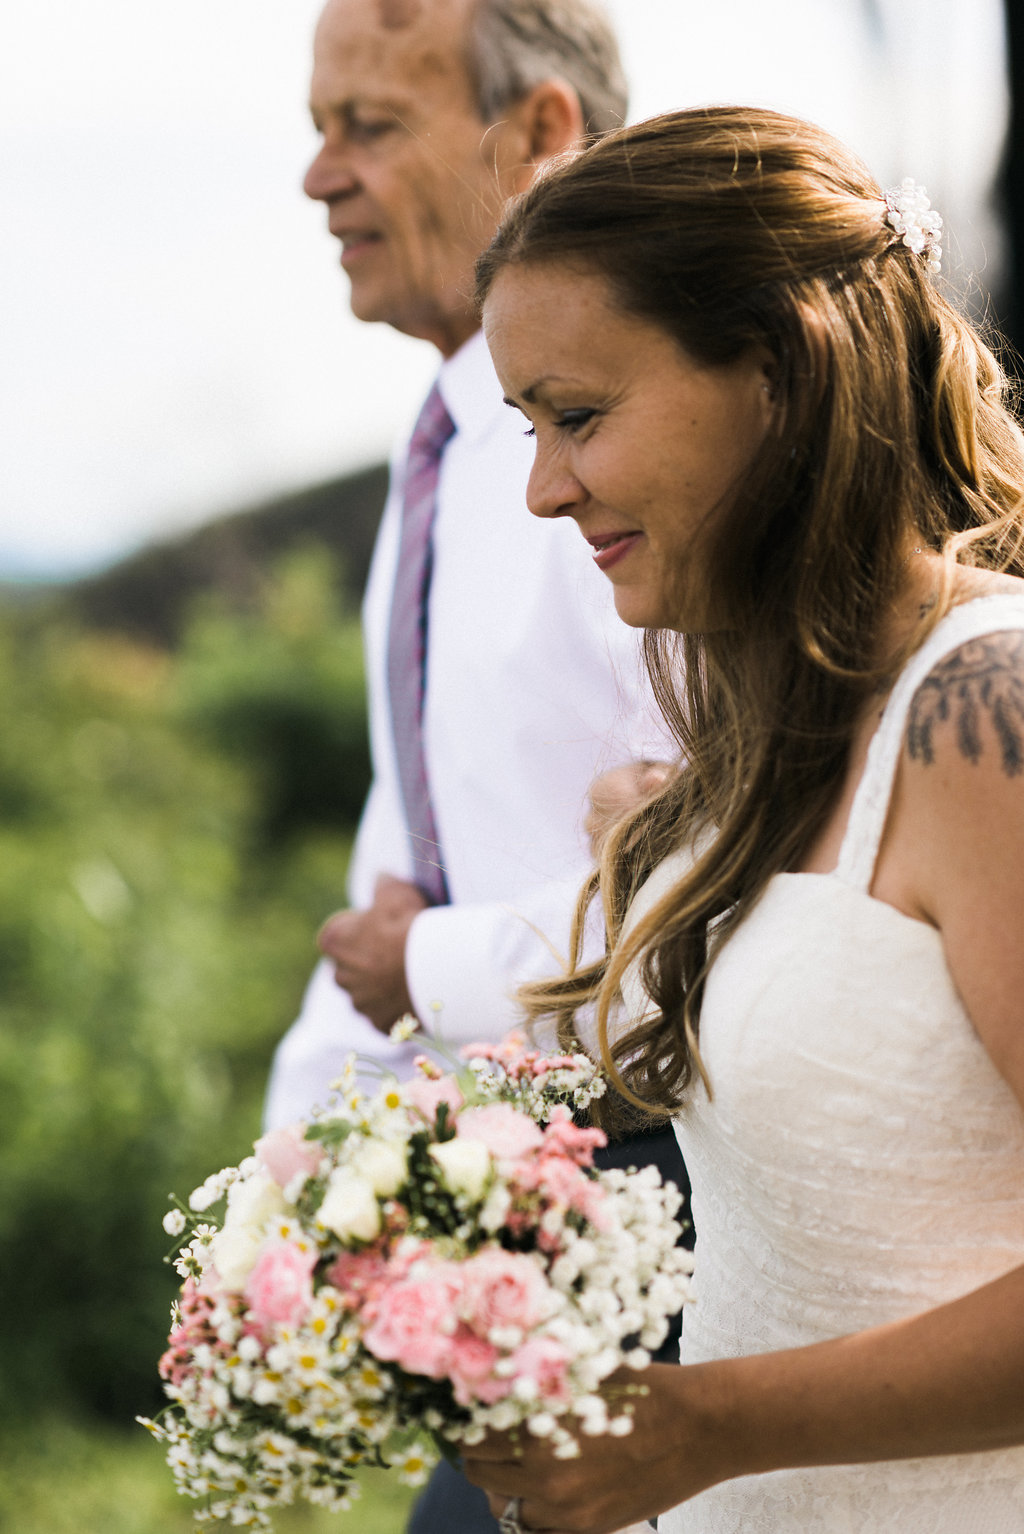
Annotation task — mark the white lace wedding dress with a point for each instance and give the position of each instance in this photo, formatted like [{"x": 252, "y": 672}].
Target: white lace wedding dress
[{"x": 861, "y": 1161}]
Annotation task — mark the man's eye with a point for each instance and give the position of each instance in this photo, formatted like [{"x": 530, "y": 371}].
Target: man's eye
[{"x": 366, "y": 129}]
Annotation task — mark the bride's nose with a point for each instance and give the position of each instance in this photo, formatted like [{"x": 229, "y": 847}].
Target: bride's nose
[{"x": 553, "y": 490}]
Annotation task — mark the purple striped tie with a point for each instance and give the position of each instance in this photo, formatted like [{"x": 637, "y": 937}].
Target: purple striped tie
[{"x": 407, "y": 640}]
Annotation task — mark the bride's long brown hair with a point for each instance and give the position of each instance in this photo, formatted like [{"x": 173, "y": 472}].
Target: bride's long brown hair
[{"x": 730, "y": 228}]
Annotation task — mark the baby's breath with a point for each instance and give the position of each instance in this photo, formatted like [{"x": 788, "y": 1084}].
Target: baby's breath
[{"x": 280, "y": 1381}]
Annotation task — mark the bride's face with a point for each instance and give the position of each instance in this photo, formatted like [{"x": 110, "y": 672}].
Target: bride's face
[{"x": 635, "y": 441}]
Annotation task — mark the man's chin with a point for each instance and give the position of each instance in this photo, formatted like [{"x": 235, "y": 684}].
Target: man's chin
[
  {"x": 368, "y": 305},
  {"x": 424, "y": 320}
]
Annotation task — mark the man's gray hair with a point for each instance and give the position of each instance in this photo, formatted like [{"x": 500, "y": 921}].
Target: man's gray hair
[{"x": 517, "y": 44}]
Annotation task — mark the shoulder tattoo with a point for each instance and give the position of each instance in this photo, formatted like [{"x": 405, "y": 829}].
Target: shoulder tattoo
[{"x": 981, "y": 682}]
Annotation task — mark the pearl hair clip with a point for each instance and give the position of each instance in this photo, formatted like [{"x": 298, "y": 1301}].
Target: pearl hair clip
[{"x": 916, "y": 221}]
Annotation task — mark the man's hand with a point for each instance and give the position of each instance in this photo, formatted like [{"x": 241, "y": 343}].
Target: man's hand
[
  {"x": 617, "y": 793},
  {"x": 367, "y": 949}
]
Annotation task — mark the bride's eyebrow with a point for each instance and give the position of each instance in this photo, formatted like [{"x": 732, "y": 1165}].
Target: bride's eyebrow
[{"x": 530, "y": 393}]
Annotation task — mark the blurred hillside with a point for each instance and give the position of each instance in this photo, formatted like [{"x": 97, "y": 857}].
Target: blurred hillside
[
  {"x": 183, "y": 757},
  {"x": 150, "y": 595}
]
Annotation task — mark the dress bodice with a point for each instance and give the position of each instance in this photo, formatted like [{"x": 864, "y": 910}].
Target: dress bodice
[{"x": 860, "y": 1159}]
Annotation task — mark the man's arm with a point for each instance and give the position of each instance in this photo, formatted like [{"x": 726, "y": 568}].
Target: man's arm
[{"x": 370, "y": 949}]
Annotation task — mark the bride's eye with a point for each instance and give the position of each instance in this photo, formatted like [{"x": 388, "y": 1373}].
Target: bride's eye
[
  {"x": 575, "y": 420},
  {"x": 567, "y": 420}
]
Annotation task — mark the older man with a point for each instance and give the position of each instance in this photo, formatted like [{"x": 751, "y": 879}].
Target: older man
[
  {"x": 523, "y": 683},
  {"x": 500, "y": 679}
]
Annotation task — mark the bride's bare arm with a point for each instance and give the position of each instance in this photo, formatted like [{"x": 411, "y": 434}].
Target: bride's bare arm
[
  {"x": 947, "y": 1381},
  {"x": 960, "y": 795}
]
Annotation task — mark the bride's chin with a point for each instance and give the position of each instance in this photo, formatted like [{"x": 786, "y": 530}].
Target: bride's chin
[{"x": 640, "y": 610}]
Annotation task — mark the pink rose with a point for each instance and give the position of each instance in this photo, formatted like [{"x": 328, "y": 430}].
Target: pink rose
[
  {"x": 564, "y": 1138},
  {"x": 358, "y": 1276},
  {"x": 479, "y": 1052},
  {"x": 502, "y": 1289},
  {"x": 470, "y": 1365},
  {"x": 414, "y": 1320},
  {"x": 280, "y": 1286},
  {"x": 507, "y": 1133},
  {"x": 428, "y": 1095},
  {"x": 286, "y": 1151},
  {"x": 563, "y": 1183},
  {"x": 546, "y": 1362},
  {"x": 507, "y": 1051}
]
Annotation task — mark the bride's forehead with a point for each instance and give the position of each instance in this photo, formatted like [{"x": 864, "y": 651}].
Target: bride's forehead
[
  {"x": 533, "y": 281},
  {"x": 551, "y": 309}
]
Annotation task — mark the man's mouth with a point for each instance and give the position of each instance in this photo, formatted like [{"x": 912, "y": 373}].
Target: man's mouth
[{"x": 355, "y": 242}]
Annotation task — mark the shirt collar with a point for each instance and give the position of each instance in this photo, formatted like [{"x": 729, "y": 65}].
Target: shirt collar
[{"x": 469, "y": 388}]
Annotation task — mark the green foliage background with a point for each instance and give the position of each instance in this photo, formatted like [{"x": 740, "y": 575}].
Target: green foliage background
[{"x": 173, "y": 829}]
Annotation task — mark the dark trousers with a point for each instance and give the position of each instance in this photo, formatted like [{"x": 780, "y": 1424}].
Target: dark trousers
[{"x": 450, "y": 1504}]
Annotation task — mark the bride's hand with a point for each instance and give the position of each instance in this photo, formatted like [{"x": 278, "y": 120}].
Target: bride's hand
[{"x": 615, "y": 1481}]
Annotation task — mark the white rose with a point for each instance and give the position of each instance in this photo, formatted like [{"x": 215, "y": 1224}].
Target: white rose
[
  {"x": 233, "y": 1253},
  {"x": 384, "y": 1164},
  {"x": 350, "y": 1207},
  {"x": 465, "y": 1166},
  {"x": 252, "y": 1204},
  {"x": 253, "y": 1201}
]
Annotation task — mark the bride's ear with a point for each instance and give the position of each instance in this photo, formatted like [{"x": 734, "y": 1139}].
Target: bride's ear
[
  {"x": 816, "y": 337},
  {"x": 768, "y": 383}
]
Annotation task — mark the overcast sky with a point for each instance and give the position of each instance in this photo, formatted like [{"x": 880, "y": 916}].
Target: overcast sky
[{"x": 174, "y": 335}]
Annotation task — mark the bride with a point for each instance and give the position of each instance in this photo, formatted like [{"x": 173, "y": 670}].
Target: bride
[{"x": 793, "y": 461}]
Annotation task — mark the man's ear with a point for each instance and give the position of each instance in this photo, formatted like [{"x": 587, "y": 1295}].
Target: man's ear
[{"x": 548, "y": 122}]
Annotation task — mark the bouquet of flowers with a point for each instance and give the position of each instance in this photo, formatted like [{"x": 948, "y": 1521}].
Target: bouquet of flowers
[{"x": 405, "y": 1273}]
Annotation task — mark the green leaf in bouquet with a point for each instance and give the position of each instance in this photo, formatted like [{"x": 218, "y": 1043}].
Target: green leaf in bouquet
[
  {"x": 432, "y": 1207},
  {"x": 444, "y": 1129},
  {"x": 330, "y": 1131}
]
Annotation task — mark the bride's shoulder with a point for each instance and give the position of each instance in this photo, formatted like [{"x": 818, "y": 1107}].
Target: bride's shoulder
[
  {"x": 968, "y": 711},
  {"x": 986, "y": 583},
  {"x": 961, "y": 797},
  {"x": 972, "y": 695}
]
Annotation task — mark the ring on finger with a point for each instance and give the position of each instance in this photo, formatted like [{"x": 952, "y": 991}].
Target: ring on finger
[{"x": 509, "y": 1522}]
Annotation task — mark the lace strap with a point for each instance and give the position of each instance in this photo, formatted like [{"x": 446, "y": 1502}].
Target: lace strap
[{"x": 983, "y": 615}]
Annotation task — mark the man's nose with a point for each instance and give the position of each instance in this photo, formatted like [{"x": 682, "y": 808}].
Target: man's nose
[{"x": 329, "y": 175}]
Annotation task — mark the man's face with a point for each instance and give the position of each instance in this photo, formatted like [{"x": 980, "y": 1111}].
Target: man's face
[{"x": 412, "y": 179}]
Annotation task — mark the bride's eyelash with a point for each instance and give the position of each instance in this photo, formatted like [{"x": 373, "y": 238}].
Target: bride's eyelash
[{"x": 570, "y": 420}]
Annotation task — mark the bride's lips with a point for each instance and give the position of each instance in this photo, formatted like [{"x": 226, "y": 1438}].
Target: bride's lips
[{"x": 609, "y": 548}]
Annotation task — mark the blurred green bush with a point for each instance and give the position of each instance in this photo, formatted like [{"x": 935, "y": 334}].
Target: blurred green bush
[
  {"x": 173, "y": 828},
  {"x": 68, "y": 1478},
  {"x": 265, "y": 689}
]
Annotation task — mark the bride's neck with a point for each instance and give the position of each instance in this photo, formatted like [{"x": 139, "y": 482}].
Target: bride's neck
[{"x": 921, "y": 589}]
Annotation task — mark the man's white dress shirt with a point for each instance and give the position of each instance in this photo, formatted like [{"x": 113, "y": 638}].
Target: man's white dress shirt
[{"x": 534, "y": 686}]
